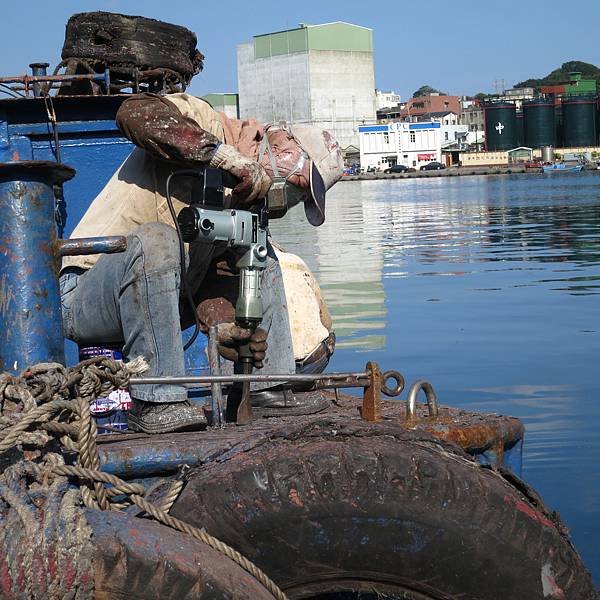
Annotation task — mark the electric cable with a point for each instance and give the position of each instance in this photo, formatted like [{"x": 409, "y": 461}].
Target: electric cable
[{"x": 187, "y": 292}]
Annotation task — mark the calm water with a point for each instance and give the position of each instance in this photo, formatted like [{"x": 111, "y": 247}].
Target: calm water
[{"x": 490, "y": 288}]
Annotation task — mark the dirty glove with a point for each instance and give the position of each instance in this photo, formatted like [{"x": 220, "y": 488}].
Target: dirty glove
[
  {"x": 254, "y": 181},
  {"x": 230, "y": 336}
]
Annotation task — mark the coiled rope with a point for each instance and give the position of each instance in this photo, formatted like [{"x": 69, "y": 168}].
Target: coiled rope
[{"x": 50, "y": 401}]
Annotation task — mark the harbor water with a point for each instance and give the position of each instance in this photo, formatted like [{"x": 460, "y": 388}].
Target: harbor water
[{"x": 489, "y": 287}]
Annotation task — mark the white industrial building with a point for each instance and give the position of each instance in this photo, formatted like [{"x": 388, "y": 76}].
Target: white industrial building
[
  {"x": 400, "y": 143},
  {"x": 317, "y": 74},
  {"x": 386, "y": 99},
  {"x": 409, "y": 144}
]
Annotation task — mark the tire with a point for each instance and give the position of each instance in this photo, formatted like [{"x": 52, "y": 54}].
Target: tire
[
  {"x": 384, "y": 511},
  {"x": 140, "y": 559},
  {"x": 114, "y": 39}
]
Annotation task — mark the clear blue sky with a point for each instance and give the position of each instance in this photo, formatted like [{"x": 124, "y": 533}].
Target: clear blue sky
[{"x": 459, "y": 47}]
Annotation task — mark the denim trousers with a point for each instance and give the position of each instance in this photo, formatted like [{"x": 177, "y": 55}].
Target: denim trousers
[{"x": 133, "y": 298}]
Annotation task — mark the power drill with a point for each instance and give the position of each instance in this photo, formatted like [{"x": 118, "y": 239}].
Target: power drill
[{"x": 209, "y": 222}]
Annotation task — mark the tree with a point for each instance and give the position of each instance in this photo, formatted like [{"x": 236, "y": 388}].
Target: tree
[
  {"x": 425, "y": 90},
  {"x": 587, "y": 70}
]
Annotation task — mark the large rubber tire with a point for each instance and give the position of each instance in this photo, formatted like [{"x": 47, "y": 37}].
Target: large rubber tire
[
  {"x": 381, "y": 510},
  {"x": 113, "y": 39}
]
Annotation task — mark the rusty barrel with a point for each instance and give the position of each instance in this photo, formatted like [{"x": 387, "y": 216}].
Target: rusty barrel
[{"x": 30, "y": 317}]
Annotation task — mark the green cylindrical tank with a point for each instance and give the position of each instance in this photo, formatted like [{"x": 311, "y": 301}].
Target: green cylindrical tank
[
  {"x": 579, "y": 121},
  {"x": 540, "y": 128},
  {"x": 520, "y": 128},
  {"x": 500, "y": 126}
]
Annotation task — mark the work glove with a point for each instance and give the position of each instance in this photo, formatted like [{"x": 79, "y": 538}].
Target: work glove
[
  {"x": 254, "y": 181},
  {"x": 230, "y": 337}
]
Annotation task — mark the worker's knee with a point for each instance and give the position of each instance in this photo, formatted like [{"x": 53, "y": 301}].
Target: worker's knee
[{"x": 158, "y": 244}]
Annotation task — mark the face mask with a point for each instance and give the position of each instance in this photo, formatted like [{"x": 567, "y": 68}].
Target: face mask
[{"x": 282, "y": 196}]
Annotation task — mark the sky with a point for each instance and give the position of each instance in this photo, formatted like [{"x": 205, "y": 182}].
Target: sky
[{"x": 459, "y": 47}]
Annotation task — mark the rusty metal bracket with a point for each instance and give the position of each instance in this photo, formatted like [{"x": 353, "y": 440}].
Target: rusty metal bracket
[
  {"x": 411, "y": 402},
  {"x": 371, "y": 406}
]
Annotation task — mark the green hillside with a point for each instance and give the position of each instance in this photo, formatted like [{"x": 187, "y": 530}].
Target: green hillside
[{"x": 587, "y": 70}]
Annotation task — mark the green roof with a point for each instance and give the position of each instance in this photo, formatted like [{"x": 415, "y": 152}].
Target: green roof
[{"x": 338, "y": 36}]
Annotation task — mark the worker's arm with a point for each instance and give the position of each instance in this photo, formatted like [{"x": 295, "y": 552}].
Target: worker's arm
[{"x": 156, "y": 125}]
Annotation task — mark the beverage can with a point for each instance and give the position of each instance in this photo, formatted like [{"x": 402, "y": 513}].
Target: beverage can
[{"x": 110, "y": 412}]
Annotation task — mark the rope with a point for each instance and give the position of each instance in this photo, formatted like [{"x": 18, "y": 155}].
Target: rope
[
  {"x": 172, "y": 495},
  {"x": 49, "y": 401},
  {"x": 213, "y": 542}
]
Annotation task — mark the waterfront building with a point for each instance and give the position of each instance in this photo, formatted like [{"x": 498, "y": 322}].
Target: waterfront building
[
  {"x": 317, "y": 74},
  {"x": 410, "y": 144},
  {"x": 423, "y": 106},
  {"x": 575, "y": 86},
  {"x": 226, "y": 103},
  {"x": 518, "y": 96},
  {"x": 386, "y": 99},
  {"x": 472, "y": 117}
]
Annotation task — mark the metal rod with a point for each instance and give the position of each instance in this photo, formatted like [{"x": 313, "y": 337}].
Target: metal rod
[
  {"x": 350, "y": 379},
  {"x": 92, "y": 245},
  {"x": 29, "y": 79},
  {"x": 214, "y": 362}
]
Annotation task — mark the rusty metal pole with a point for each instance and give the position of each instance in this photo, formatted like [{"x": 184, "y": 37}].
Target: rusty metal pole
[
  {"x": 30, "y": 309},
  {"x": 30, "y": 313},
  {"x": 371, "y": 407}
]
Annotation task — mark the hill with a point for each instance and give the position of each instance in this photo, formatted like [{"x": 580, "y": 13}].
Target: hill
[{"x": 587, "y": 70}]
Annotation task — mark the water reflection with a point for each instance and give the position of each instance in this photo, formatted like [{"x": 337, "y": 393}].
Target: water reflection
[
  {"x": 378, "y": 228},
  {"x": 346, "y": 256}
]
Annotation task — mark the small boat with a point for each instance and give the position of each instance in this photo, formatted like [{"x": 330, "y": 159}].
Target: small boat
[{"x": 562, "y": 167}]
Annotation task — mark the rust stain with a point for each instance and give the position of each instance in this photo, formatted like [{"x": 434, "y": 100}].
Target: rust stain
[{"x": 295, "y": 497}]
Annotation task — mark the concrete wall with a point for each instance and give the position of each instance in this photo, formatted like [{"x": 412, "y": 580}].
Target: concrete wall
[
  {"x": 273, "y": 88},
  {"x": 481, "y": 159},
  {"x": 342, "y": 92},
  {"x": 331, "y": 89}
]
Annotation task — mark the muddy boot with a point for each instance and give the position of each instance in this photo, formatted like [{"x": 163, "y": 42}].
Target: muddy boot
[
  {"x": 165, "y": 417},
  {"x": 275, "y": 402}
]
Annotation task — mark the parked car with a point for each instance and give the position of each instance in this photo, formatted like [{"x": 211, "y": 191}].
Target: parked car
[
  {"x": 433, "y": 166},
  {"x": 399, "y": 169}
]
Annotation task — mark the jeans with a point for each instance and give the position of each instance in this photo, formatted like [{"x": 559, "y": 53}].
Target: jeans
[{"x": 133, "y": 298}]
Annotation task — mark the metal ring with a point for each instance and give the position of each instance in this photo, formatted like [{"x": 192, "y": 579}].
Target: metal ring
[
  {"x": 411, "y": 403},
  {"x": 397, "y": 377}
]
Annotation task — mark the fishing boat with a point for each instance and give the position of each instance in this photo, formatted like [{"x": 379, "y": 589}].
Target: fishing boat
[
  {"x": 371, "y": 498},
  {"x": 561, "y": 168}
]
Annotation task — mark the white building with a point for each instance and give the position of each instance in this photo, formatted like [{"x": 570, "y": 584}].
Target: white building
[
  {"x": 410, "y": 144},
  {"x": 318, "y": 74},
  {"x": 386, "y": 99},
  {"x": 226, "y": 103}
]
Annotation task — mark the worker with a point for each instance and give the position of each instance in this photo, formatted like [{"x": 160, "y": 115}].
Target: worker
[{"x": 133, "y": 297}]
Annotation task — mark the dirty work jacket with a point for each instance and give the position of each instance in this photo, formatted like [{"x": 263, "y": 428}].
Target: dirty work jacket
[{"x": 135, "y": 194}]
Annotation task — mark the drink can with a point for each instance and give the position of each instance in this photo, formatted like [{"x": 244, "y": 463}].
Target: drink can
[{"x": 108, "y": 411}]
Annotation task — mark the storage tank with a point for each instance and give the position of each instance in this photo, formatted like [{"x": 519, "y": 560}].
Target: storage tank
[
  {"x": 520, "y": 128},
  {"x": 540, "y": 127},
  {"x": 579, "y": 121},
  {"x": 500, "y": 126},
  {"x": 547, "y": 154}
]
